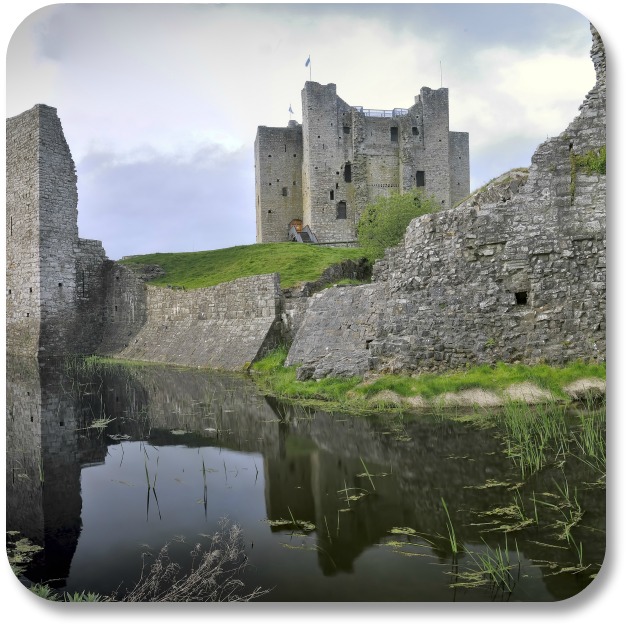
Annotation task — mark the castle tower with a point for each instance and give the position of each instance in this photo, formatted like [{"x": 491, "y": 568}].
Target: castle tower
[
  {"x": 329, "y": 206},
  {"x": 352, "y": 155},
  {"x": 44, "y": 253},
  {"x": 278, "y": 189}
]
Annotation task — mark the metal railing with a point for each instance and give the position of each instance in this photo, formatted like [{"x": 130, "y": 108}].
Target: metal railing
[{"x": 382, "y": 113}]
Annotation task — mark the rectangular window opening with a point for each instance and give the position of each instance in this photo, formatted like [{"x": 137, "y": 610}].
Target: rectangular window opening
[
  {"x": 346, "y": 130},
  {"x": 394, "y": 134},
  {"x": 347, "y": 173},
  {"x": 521, "y": 298},
  {"x": 341, "y": 210},
  {"x": 420, "y": 178},
  {"x": 415, "y": 130},
  {"x": 284, "y": 191},
  {"x": 331, "y": 194}
]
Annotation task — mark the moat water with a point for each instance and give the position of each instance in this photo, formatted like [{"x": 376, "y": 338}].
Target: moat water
[{"x": 107, "y": 465}]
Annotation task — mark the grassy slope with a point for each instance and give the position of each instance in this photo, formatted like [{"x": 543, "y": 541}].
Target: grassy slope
[{"x": 294, "y": 262}]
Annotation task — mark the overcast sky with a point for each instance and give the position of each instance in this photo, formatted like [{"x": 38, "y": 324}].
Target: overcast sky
[{"x": 160, "y": 102}]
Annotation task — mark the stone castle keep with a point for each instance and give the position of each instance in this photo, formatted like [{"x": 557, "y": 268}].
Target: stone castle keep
[
  {"x": 520, "y": 279},
  {"x": 313, "y": 181}
]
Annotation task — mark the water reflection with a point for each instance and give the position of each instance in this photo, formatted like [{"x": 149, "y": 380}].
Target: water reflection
[{"x": 179, "y": 449}]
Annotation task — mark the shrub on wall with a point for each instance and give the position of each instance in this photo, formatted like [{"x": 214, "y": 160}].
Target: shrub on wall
[{"x": 384, "y": 222}]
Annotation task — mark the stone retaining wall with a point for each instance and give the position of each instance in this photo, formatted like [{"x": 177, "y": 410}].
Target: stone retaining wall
[{"x": 224, "y": 327}]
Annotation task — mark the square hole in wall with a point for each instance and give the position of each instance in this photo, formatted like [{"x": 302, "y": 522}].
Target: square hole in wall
[{"x": 521, "y": 298}]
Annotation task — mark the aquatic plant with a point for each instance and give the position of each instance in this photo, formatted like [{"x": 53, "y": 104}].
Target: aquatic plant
[
  {"x": 590, "y": 439},
  {"x": 491, "y": 566},
  {"x": 368, "y": 474},
  {"x": 82, "y": 597},
  {"x": 454, "y": 545},
  {"x": 535, "y": 436},
  {"x": 20, "y": 551}
]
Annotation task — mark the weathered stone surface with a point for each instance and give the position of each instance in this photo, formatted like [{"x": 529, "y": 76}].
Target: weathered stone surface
[
  {"x": 224, "y": 327},
  {"x": 337, "y": 329},
  {"x": 53, "y": 277},
  {"x": 296, "y": 298}
]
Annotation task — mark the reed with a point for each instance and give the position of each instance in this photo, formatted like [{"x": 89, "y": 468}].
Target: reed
[
  {"x": 491, "y": 567},
  {"x": 451, "y": 532},
  {"x": 535, "y": 436},
  {"x": 368, "y": 474}
]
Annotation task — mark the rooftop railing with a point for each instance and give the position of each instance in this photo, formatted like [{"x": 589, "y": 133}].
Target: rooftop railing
[{"x": 381, "y": 113}]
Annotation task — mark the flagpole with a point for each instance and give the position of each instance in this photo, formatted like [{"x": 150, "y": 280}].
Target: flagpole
[{"x": 310, "y": 57}]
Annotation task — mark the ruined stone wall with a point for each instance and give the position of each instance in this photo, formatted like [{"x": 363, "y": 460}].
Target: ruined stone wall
[
  {"x": 278, "y": 187},
  {"x": 90, "y": 296},
  {"x": 64, "y": 297},
  {"x": 338, "y": 327},
  {"x": 46, "y": 313},
  {"x": 296, "y": 299},
  {"x": 22, "y": 233},
  {"x": 225, "y": 327},
  {"x": 124, "y": 308},
  {"x": 58, "y": 236}
]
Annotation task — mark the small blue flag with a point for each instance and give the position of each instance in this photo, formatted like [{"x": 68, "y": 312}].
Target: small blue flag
[
  {"x": 290, "y": 109},
  {"x": 307, "y": 62}
]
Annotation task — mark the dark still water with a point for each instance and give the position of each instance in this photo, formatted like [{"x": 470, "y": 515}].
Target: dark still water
[{"x": 106, "y": 465}]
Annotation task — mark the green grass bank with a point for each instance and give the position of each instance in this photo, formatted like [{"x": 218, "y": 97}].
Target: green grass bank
[
  {"x": 294, "y": 262},
  {"x": 480, "y": 385}
]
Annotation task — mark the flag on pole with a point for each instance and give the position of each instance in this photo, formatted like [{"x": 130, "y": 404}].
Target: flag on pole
[
  {"x": 290, "y": 109},
  {"x": 308, "y": 61}
]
